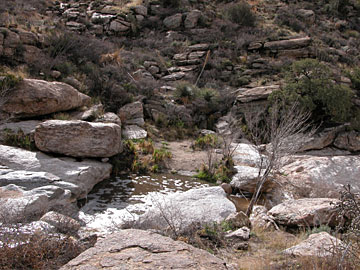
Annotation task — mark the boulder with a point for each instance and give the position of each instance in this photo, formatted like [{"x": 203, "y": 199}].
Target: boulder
[
  {"x": 118, "y": 26},
  {"x": 305, "y": 212},
  {"x": 61, "y": 223},
  {"x": 257, "y": 93},
  {"x": 109, "y": 117},
  {"x": 132, "y": 114},
  {"x": 318, "y": 245},
  {"x": 174, "y": 76},
  {"x": 133, "y": 132},
  {"x": 80, "y": 176},
  {"x": 137, "y": 249},
  {"x": 260, "y": 219},
  {"x": 307, "y": 15},
  {"x": 242, "y": 234},
  {"x": 288, "y": 44},
  {"x": 192, "y": 18},
  {"x": 238, "y": 219},
  {"x": 88, "y": 115},
  {"x": 12, "y": 40},
  {"x": 37, "y": 97},
  {"x": 79, "y": 138},
  {"x": 246, "y": 155},
  {"x": 348, "y": 141},
  {"x": 321, "y": 139},
  {"x": 28, "y": 38},
  {"x": 173, "y": 22},
  {"x": 246, "y": 179},
  {"x": 199, "y": 206},
  {"x": 140, "y": 10},
  {"x": 318, "y": 176}
]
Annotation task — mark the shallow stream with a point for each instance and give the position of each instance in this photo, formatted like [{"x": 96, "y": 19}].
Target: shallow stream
[{"x": 115, "y": 201}]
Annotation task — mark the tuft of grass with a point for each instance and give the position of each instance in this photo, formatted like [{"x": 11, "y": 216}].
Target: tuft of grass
[
  {"x": 207, "y": 141},
  {"x": 19, "y": 139}
]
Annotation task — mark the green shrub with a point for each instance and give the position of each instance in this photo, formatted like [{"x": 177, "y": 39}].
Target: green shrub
[
  {"x": 207, "y": 141},
  {"x": 205, "y": 175},
  {"x": 19, "y": 139},
  {"x": 321, "y": 228},
  {"x": 311, "y": 84},
  {"x": 185, "y": 92},
  {"x": 160, "y": 155},
  {"x": 240, "y": 14}
]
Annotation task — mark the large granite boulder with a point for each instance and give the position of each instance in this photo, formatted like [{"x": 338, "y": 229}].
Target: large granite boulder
[
  {"x": 305, "y": 212},
  {"x": 137, "y": 249},
  {"x": 79, "y": 138},
  {"x": 317, "y": 245},
  {"x": 320, "y": 176},
  {"x": 67, "y": 173},
  {"x": 37, "y": 97},
  {"x": 180, "y": 210}
]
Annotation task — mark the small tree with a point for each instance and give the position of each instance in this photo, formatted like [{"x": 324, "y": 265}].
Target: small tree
[{"x": 285, "y": 129}]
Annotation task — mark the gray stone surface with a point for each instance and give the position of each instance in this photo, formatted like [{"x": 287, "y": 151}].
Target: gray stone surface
[
  {"x": 79, "y": 138},
  {"x": 81, "y": 176},
  {"x": 203, "y": 205},
  {"x": 348, "y": 141},
  {"x": 173, "y": 22},
  {"x": 257, "y": 93},
  {"x": 137, "y": 249},
  {"x": 27, "y": 127},
  {"x": 133, "y": 132},
  {"x": 305, "y": 212},
  {"x": 318, "y": 245}
]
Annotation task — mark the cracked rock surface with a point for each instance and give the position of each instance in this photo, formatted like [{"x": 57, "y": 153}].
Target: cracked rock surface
[{"x": 138, "y": 249}]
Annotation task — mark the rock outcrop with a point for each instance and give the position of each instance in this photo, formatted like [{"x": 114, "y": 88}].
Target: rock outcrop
[
  {"x": 37, "y": 97},
  {"x": 79, "y": 177},
  {"x": 305, "y": 212},
  {"x": 137, "y": 249},
  {"x": 318, "y": 245},
  {"x": 79, "y": 138}
]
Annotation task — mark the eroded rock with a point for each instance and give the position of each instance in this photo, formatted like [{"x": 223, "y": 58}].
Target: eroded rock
[
  {"x": 305, "y": 212},
  {"x": 36, "y": 97},
  {"x": 79, "y": 138},
  {"x": 137, "y": 249}
]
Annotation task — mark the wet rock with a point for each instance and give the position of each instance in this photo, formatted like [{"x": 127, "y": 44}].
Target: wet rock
[
  {"x": 242, "y": 234},
  {"x": 173, "y": 22},
  {"x": 36, "y": 97},
  {"x": 200, "y": 206},
  {"x": 348, "y": 141},
  {"x": 318, "y": 245},
  {"x": 305, "y": 212},
  {"x": 79, "y": 138},
  {"x": 81, "y": 176},
  {"x": 132, "y": 132},
  {"x": 137, "y": 249},
  {"x": 257, "y": 93}
]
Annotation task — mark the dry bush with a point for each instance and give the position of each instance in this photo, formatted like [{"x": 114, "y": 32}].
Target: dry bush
[{"x": 22, "y": 251}]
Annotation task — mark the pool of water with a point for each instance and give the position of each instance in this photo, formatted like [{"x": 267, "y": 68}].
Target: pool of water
[{"x": 116, "y": 201}]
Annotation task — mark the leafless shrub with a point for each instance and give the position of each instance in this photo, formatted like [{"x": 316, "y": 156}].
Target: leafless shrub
[{"x": 285, "y": 129}]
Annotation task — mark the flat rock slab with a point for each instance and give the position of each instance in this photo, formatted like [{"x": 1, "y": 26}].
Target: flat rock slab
[
  {"x": 137, "y": 249},
  {"x": 79, "y": 138},
  {"x": 81, "y": 176},
  {"x": 202, "y": 206},
  {"x": 318, "y": 245},
  {"x": 256, "y": 93},
  {"x": 37, "y": 97},
  {"x": 305, "y": 212}
]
